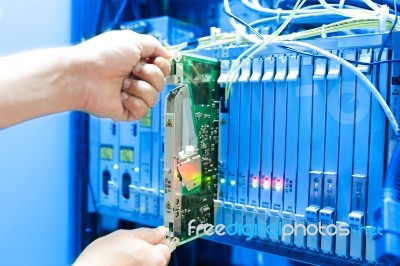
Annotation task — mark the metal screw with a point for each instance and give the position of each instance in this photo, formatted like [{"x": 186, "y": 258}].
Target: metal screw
[{"x": 167, "y": 171}]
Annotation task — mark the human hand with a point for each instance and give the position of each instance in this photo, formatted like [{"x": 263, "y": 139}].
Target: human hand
[
  {"x": 120, "y": 74},
  {"x": 138, "y": 247}
]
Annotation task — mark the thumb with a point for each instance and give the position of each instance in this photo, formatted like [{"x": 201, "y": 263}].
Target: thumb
[
  {"x": 151, "y": 236},
  {"x": 150, "y": 47}
]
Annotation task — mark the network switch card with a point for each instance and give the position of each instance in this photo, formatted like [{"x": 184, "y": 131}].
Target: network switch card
[
  {"x": 126, "y": 167},
  {"x": 303, "y": 145},
  {"x": 191, "y": 147}
]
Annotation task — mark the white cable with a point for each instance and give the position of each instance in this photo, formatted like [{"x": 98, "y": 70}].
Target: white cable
[
  {"x": 278, "y": 15},
  {"x": 319, "y": 7},
  {"x": 328, "y": 10},
  {"x": 238, "y": 28},
  {"x": 341, "y": 26},
  {"x": 304, "y": 18},
  {"x": 320, "y": 14},
  {"x": 361, "y": 13},
  {"x": 373, "y": 6},
  {"x": 341, "y": 4},
  {"x": 272, "y": 12},
  {"x": 361, "y": 76},
  {"x": 256, "y": 3}
]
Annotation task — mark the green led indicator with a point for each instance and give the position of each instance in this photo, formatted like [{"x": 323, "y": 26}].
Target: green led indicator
[
  {"x": 126, "y": 155},
  {"x": 106, "y": 152}
]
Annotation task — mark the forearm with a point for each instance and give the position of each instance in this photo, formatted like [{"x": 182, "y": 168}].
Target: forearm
[{"x": 38, "y": 83}]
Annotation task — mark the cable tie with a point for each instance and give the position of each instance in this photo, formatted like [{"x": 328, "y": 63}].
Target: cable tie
[
  {"x": 278, "y": 15},
  {"x": 323, "y": 33},
  {"x": 384, "y": 10},
  {"x": 239, "y": 29},
  {"x": 214, "y": 31}
]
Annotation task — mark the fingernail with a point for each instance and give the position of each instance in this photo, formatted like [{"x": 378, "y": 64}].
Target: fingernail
[
  {"x": 124, "y": 96},
  {"x": 138, "y": 67},
  {"x": 126, "y": 84},
  {"x": 170, "y": 54},
  {"x": 162, "y": 229}
]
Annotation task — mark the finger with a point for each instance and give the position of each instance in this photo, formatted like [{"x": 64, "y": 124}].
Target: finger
[
  {"x": 164, "y": 251},
  {"x": 136, "y": 106},
  {"x": 163, "y": 64},
  {"x": 151, "y": 74},
  {"x": 128, "y": 117},
  {"x": 127, "y": 114},
  {"x": 151, "y": 236},
  {"x": 151, "y": 47},
  {"x": 141, "y": 89}
]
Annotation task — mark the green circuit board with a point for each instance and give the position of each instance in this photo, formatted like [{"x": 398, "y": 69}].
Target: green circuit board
[{"x": 192, "y": 186}]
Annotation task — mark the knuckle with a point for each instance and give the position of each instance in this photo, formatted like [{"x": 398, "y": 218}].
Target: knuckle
[
  {"x": 116, "y": 119},
  {"x": 167, "y": 70},
  {"x": 131, "y": 117},
  {"x": 141, "y": 112},
  {"x": 155, "y": 99},
  {"x": 162, "y": 257},
  {"x": 128, "y": 32},
  {"x": 160, "y": 260},
  {"x": 151, "y": 100},
  {"x": 165, "y": 259},
  {"x": 118, "y": 233},
  {"x": 162, "y": 83},
  {"x": 143, "y": 250},
  {"x": 153, "y": 39},
  {"x": 159, "y": 85}
]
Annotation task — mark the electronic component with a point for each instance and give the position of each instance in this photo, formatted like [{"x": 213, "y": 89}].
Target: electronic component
[
  {"x": 300, "y": 143},
  {"x": 191, "y": 146},
  {"x": 314, "y": 152}
]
